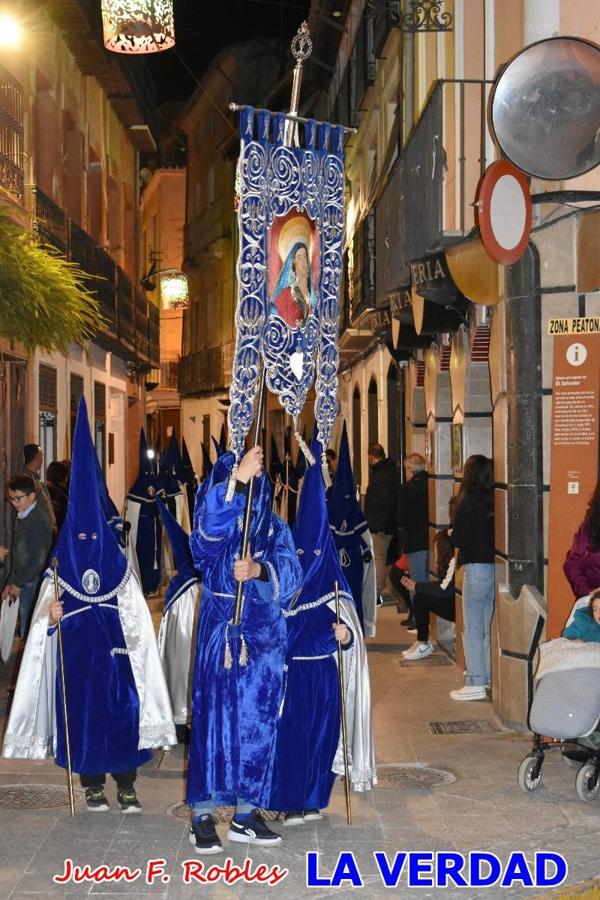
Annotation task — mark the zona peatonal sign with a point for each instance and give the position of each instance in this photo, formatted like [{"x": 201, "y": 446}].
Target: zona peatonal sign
[{"x": 575, "y": 325}]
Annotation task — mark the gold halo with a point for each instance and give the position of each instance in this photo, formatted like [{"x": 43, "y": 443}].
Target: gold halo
[{"x": 296, "y": 229}]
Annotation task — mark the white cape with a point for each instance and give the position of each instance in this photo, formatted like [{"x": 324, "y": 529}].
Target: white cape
[
  {"x": 361, "y": 748},
  {"x": 369, "y": 590},
  {"x": 176, "y": 639},
  {"x": 31, "y": 732}
]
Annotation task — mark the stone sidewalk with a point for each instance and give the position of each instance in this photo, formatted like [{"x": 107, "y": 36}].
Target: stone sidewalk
[{"x": 437, "y": 791}]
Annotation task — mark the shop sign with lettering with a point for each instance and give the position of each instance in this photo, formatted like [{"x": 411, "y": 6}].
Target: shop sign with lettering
[{"x": 431, "y": 272}]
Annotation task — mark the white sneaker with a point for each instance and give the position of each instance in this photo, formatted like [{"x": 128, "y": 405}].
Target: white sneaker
[
  {"x": 469, "y": 692},
  {"x": 419, "y": 650}
]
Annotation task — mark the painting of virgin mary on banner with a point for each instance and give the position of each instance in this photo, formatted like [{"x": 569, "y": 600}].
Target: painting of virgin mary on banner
[
  {"x": 293, "y": 241},
  {"x": 291, "y": 225}
]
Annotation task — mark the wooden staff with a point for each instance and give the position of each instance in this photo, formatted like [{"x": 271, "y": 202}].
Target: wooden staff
[
  {"x": 63, "y": 685},
  {"x": 340, "y": 655}
]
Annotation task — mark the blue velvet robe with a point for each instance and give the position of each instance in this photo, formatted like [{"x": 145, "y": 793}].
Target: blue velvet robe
[
  {"x": 104, "y": 706},
  {"x": 310, "y": 725},
  {"x": 234, "y": 711}
]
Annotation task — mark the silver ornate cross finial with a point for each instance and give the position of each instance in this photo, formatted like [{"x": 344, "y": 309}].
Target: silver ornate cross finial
[{"x": 301, "y": 44}]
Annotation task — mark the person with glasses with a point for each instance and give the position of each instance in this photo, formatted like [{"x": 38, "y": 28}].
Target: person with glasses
[{"x": 32, "y": 540}]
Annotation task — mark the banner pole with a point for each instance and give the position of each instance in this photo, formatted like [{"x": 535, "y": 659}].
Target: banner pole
[
  {"x": 63, "y": 684},
  {"x": 340, "y": 656}
]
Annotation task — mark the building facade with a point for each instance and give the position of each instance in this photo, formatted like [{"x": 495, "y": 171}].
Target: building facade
[
  {"x": 443, "y": 351},
  {"x": 73, "y": 122}
]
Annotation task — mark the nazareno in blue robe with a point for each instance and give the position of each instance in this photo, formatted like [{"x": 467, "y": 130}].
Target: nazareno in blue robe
[
  {"x": 234, "y": 710},
  {"x": 309, "y": 727},
  {"x": 348, "y": 524},
  {"x": 148, "y": 535},
  {"x": 103, "y": 701}
]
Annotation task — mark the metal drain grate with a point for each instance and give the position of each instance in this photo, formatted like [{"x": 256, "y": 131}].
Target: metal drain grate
[
  {"x": 221, "y": 814},
  {"x": 428, "y": 661},
  {"x": 412, "y": 776},
  {"x": 37, "y": 796},
  {"x": 472, "y": 726}
]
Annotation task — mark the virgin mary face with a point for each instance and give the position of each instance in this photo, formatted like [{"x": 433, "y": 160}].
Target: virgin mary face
[{"x": 300, "y": 263}]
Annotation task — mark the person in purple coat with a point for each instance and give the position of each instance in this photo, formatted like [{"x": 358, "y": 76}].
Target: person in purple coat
[{"x": 582, "y": 565}]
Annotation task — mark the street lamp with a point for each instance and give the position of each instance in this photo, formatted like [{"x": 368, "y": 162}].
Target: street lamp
[
  {"x": 11, "y": 31},
  {"x": 138, "y": 26},
  {"x": 174, "y": 291}
]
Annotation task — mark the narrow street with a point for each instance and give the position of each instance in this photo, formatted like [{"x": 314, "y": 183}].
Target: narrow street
[{"x": 437, "y": 792}]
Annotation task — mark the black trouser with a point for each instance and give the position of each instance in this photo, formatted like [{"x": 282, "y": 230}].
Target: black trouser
[
  {"x": 125, "y": 780},
  {"x": 424, "y": 604}
]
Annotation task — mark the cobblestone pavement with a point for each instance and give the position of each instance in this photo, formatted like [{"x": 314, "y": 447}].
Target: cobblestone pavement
[{"x": 475, "y": 805}]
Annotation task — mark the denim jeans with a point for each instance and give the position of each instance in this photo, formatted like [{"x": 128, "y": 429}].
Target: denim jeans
[
  {"x": 27, "y": 596},
  {"x": 418, "y": 569},
  {"x": 478, "y": 606}
]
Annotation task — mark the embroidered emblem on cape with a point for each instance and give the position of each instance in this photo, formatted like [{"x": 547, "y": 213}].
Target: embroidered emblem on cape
[{"x": 90, "y": 581}]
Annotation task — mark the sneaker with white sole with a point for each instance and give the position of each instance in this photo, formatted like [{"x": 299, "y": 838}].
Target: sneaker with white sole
[
  {"x": 469, "y": 692},
  {"x": 203, "y": 835},
  {"x": 128, "y": 801},
  {"x": 312, "y": 815},
  {"x": 252, "y": 830},
  {"x": 419, "y": 650},
  {"x": 295, "y": 817},
  {"x": 95, "y": 799}
]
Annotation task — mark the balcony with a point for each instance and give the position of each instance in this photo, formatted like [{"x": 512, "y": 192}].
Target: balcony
[
  {"x": 12, "y": 174},
  {"x": 50, "y": 224},
  {"x": 169, "y": 374},
  {"x": 132, "y": 324},
  {"x": 206, "y": 371}
]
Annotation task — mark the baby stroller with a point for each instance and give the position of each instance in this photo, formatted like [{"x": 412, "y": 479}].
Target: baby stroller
[{"x": 566, "y": 708}]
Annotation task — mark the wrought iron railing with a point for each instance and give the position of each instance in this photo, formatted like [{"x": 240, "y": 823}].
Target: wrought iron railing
[
  {"x": 169, "y": 374},
  {"x": 12, "y": 174},
  {"x": 125, "y": 308},
  {"x": 50, "y": 222},
  {"x": 202, "y": 371},
  {"x": 154, "y": 335}
]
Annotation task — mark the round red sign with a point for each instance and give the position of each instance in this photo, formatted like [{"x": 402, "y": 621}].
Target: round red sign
[{"x": 503, "y": 212}]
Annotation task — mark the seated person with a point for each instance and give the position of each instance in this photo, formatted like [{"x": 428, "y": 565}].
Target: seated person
[
  {"x": 432, "y": 597},
  {"x": 586, "y": 622}
]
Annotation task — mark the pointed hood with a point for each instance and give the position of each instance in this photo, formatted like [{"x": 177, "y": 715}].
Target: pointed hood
[
  {"x": 173, "y": 460},
  {"x": 188, "y": 469},
  {"x": 219, "y": 447},
  {"x": 91, "y": 566},
  {"x": 206, "y": 460},
  {"x": 276, "y": 466},
  {"x": 110, "y": 511},
  {"x": 145, "y": 486},
  {"x": 314, "y": 542},
  {"x": 345, "y": 513},
  {"x": 186, "y": 573},
  {"x": 167, "y": 478}
]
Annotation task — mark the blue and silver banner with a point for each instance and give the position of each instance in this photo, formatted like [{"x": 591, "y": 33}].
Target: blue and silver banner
[{"x": 291, "y": 226}]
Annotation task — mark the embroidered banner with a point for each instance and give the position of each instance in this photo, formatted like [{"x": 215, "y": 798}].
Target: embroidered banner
[{"x": 291, "y": 227}]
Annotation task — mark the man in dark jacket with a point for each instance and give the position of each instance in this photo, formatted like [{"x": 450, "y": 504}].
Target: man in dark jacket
[
  {"x": 413, "y": 521},
  {"x": 32, "y": 540},
  {"x": 380, "y": 508}
]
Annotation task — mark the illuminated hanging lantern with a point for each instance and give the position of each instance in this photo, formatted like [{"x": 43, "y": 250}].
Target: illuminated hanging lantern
[
  {"x": 138, "y": 26},
  {"x": 174, "y": 290}
]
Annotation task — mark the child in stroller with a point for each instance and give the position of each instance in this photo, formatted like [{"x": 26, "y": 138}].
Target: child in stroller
[{"x": 566, "y": 703}]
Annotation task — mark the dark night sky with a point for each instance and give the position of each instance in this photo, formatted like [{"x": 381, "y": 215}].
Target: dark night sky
[{"x": 203, "y": 27}]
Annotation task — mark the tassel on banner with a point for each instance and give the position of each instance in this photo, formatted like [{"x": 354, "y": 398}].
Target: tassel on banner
[
  {"x": 231, "y": 484},
  {"x": 243, "y": 651},
  {"x": 304, "y": 447},
  {"x": 228, "y": 659},
  {"x": 325, "y": 471}
]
